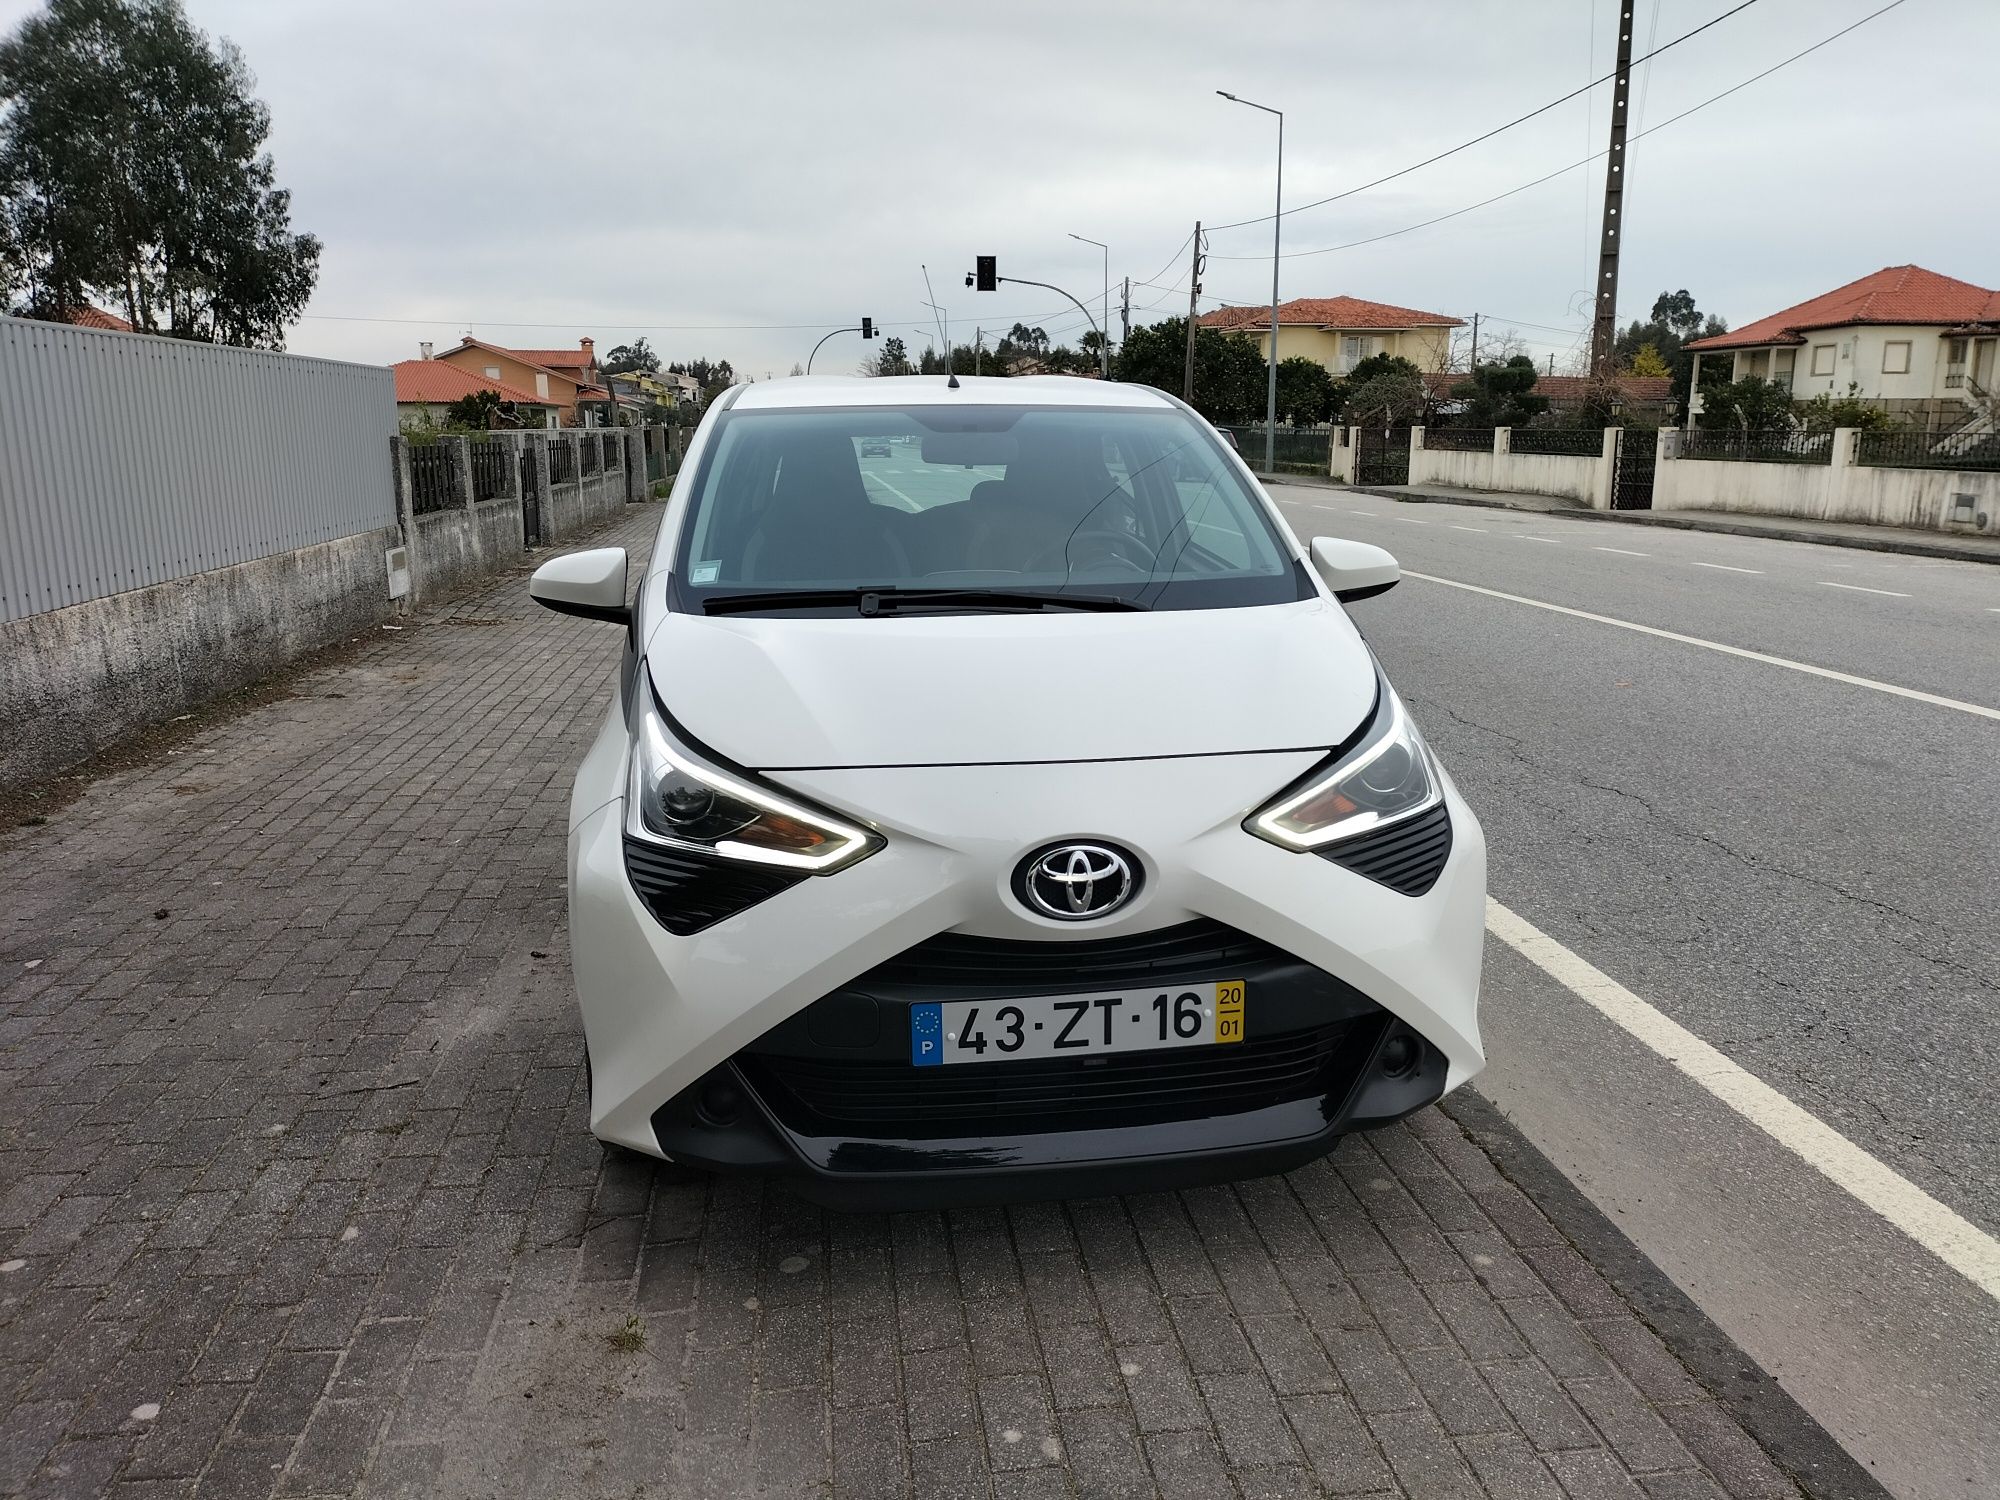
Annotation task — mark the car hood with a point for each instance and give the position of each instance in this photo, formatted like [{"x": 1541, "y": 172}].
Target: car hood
[{"x": 772, "y": 693}]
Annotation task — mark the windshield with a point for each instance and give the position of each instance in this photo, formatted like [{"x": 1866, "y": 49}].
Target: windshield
[{"x": 1140, "y": 505}]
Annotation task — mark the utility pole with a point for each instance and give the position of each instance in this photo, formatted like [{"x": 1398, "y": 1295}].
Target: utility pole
[
  {"x": 1552, "y": 361},
  {"x": 1472, "y": 360},
  {"x": 1125, "y": 315},
  {"x": 1277, "y": 233},
  {"x": 978, "y": 337},
  {"x": 1604, "y": 325},
  {"x": 1194, "y": 295}
]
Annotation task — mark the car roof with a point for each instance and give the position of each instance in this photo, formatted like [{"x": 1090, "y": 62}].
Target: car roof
[{"x": 932, "y": 390}]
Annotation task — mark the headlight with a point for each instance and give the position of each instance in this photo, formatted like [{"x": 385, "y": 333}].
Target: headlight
[
  {"x": 1386, "y": 778},
  {"x": 679, "y": 802}
]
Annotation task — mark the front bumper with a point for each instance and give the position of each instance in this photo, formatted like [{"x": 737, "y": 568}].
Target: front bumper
[{"x": 669, "y": 1018}]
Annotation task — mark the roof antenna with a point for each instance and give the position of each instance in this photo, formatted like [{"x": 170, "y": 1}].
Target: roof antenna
[{"x": 944, "y": 335}]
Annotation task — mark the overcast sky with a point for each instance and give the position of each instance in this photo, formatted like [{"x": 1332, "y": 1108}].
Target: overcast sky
[{"x": 708, "y": 174}]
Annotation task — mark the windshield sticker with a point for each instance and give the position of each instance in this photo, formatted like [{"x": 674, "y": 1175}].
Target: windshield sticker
[{"x": 704, "y": 572}]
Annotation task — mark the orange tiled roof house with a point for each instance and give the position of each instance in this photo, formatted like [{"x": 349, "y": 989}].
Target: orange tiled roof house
[
  {"x": 566, "y": 379},
  {"x": 1340, "y": 332},
  {"x": 1906, "y": 339}
]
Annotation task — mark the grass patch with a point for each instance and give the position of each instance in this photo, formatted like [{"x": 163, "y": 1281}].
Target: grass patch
[{"x": 631, "y": 1339}]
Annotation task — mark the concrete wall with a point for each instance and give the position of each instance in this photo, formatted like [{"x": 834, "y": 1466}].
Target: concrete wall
[
  {"x": 1567, "y": 476},
  {"x": 1346, "y": 445},
  {"x": 1839, "y": 491},
  {"x": 77, "y": 679}
]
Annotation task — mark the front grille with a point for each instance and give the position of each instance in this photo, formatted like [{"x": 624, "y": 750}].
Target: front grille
[
  {"x": 1010, "y": 966},
  {"x": 1406, "y": 857},
  {"x": 881, "y": 1099},
  {"x": 686, "y": 892}
]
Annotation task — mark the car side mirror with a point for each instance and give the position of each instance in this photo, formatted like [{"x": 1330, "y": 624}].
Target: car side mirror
[
  {"x": 1354, "y": 570},
  {"x": 590, "y": 584}
]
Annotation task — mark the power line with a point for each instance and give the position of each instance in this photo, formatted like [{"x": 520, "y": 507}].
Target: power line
[
  {"x": 1477, "y": 139},
  {"x": 1560, "y": 171}
]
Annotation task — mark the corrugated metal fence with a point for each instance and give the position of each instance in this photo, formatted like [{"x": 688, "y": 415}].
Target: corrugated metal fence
[{"x": 128, "y": 460}]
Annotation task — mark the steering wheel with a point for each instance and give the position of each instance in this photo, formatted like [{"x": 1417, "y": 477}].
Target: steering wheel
[{"x": 1095, "y": 548}]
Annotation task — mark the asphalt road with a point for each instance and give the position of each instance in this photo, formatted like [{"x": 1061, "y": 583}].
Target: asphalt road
[{"x": 1800, "y": 870}]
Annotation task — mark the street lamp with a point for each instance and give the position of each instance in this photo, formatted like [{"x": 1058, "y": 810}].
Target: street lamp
[
  {"x": 1104, "y": 334},
  {"x": 1277, "y": 227}
]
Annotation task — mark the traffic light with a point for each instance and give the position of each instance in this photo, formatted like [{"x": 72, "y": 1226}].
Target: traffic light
[
  {"x": 868, "y": 328},
  {"x": 988, "y": 273}
]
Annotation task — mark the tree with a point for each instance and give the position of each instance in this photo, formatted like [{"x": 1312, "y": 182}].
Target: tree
[
  {"x": 1498, "y": 395},
  {"x": 1377, "y": 365},
  {"x": 1495, "y": 346},
  {"x": 1389, "y": 399},
  {"x": 1027, "y": 340},
  {"x": 1754, "y": 407},
  {"x": 1674, "y": 322},
  {"x": 1307, "y": 392},
  {"x": 1228, "y": 372},
  {"x": 1824, "y": 413},
  {"x": 1676, "y": 312},
  {"x": 892, "y": 360},
  {"x": 1646, "y": 361},
  {"x": 475, "y": 411},
  {"x": 132, "y": 170},
  {"x": 717, "y": 376},
  {"x": 797, "y": 368},
  {"x": 626, "y": 358}
]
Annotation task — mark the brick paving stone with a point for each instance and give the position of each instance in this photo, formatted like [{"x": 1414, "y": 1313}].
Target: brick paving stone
[
  {"x": 1186, "y": 1466},
  {"x": 1103, "y": 1456},
  {"x": 1423, "y": 1459},
  {"x": 1082, "y": 1370},
  {"x": 1249, "y": 1420},
  {"x": 1507, "y": 1466},
  {"x": 1539, "y": 1407},
  {"x": 1338, "y": 1445},
  {"x": 301, "y": 1175},
  {"x": 1020, "y": 1423},
  {"x": 1593, "y": 1475},
  {"x": 1634, "y": 1429}
]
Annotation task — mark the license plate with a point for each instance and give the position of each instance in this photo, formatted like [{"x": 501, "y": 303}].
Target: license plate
[{"x": 1040, "y": 1026}]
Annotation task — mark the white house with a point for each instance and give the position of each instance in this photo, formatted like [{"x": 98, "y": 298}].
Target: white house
[{"x": 1909, "y": 340}]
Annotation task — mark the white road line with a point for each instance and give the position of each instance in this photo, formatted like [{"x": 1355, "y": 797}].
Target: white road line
[
  {"x": 1725, "y": 567},
  {"x": 1410, "y": 520},
  {"x": 1553, "y": 541},
  {"x": 1469, "y": 528},
  {"x": 1369, "y": 513},
  {"x": 1621, "y": 551},
  {"x": 1694, "y": 640},
  {"x": 1856, "y": 588},
  {"x": 1963, "y": 1246},
  {"x": 914, "y": 507}
]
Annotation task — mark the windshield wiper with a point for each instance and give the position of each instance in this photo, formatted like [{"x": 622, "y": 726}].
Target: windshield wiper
[{"x": 888, "y": 599}]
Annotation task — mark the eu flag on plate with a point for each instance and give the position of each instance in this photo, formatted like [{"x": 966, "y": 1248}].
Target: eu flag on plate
[{"x": 926, "y": 1036}]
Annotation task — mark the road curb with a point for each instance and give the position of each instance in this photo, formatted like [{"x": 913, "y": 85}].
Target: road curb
[
  {"x": 1785, "y": 1430},
  {"x": 1908, "y": 546}
]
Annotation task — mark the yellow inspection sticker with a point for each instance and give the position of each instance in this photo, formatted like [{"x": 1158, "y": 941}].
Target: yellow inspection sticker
[{"x": 1229, "y": 1010}]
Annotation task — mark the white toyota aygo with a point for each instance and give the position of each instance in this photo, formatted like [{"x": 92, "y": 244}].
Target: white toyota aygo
[{"x": 997, "y": 801}]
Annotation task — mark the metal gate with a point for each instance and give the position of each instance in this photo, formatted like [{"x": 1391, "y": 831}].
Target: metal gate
[
  {"x": 1383, "y": 456},
  {"x": 1632, "y": 489},
  {"x": 531, "y": 497}
]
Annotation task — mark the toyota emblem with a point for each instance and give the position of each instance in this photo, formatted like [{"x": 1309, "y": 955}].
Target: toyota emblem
[{"x": 1076, "y": 882}]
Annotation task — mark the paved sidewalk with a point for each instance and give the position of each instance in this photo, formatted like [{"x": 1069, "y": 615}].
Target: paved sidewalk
[
  {"x": 296, "y": 1197},
  {"x": 1956, "y": 546}
]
